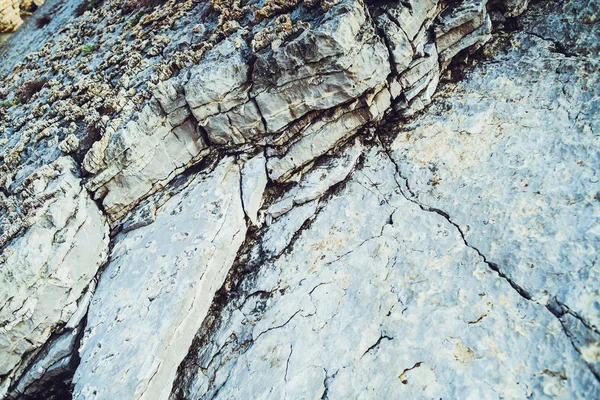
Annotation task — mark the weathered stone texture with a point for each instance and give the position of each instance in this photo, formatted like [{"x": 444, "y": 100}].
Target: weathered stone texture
[
  {"x": 301, "y": 199},
  {"x": 48, "y": 266},
  {"x": 10, "y": 19}
]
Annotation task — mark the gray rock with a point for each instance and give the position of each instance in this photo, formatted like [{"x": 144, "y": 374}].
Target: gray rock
[
  {"x": 135, "y": 161},
  {"x": 217, "y": 85},
  {"x": 467, "y": 26},
  {"x": 318, "y": 180},
  {"x": 52, "y": 364},
  {"x": 45, "y": 270},
  {"x": 378, "y": 297},
  {"x": 254, "y": 181},
  {"x": 511, "y": 8},
  {"x": 494, "y": 156},
  {"x": 411, "y": 16},
  {"x": 572, "y": 27},
  {"x": 288, "y": 219},
  {"x": 332, "y": 63},
  {"x": 318, "y": 138},
  {"x": 400, "y": 46}
]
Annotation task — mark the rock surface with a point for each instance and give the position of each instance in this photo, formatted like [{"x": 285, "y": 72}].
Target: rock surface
[
  {"x": 176, "y": 262},
  {"x": 10, "y": 13},
  {"x": 380, "y": 298},
  {"x": 10, "y": 19},
  {"x": 58, "y": 242},
  {"x": 316, "y": 199}
]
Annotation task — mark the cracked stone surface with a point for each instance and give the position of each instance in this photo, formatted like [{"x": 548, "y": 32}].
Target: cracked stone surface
[
  {"x": 174, "y": 265},
  {"x": 520, "y": 182},
  {"x": 48, "y": 265},
  {"x": 301, "y": 199}
]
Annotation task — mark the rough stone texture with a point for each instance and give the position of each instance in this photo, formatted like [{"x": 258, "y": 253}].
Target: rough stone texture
[
  {"x": 30, "y": 5},
  {"x": 52, "y": 371},
  {"x": 177, "y": 263},
  {"x": 255, "y": 76},
  {"x": 235, "y": 100},
  {"x": 45, "y": 270},
  {"x": 520, "y": 182},
  {"x": 439, "y": 283},
  {"x": 379, "y": 298},
  {"x": 288, "y": 218},
  {"x": 10, "y": 10},
  {"x": 147, "y": 153},
  {"x": 556, "y": 26},
  {"x": 10, "y": 19},
  {"x": 254, "y": 181}
]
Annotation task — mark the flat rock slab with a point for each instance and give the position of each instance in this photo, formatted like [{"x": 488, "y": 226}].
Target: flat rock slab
[{"x": 157, "y": 288}]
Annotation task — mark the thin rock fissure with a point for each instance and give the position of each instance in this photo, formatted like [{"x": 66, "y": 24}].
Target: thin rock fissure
[{"x": 493, "y": 266}]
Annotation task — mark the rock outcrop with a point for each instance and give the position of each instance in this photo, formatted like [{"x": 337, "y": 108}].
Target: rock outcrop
[
  {"x": 301, "y": 199},
  {"x": 10, "y": 13}
]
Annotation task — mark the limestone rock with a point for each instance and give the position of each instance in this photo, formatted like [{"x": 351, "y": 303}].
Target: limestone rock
[
  {"x": 137, "y": 160},
  {"x": 400, "y": 46},
  {"x": 332, "y": 63},
  {"x": 318, "y": 180},
  {"x": 218, "y": 85},
  {"x": 30, "y": 5},
  {"x": 52, "y": 368},
  {"x": 254, "y": 181},
  {"x": 46, "y": 269},
  {"x": 10, "y": 10},
  {"x": 359, "y": 303},
  {"x": 521, "y": 191},
  {"x": 413, "y": 16},
  {"x": 366, "y": 303},
  {"x": 10, "y": 19},
  {"x": 558, "y": 26},
  {"x": 466, "y": 26},
  {"x": 319, "y": 138},
  {"x": 306, "y": 199}
]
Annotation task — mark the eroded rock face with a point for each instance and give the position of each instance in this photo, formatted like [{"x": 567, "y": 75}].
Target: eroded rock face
[
  {"x": 157, "y": 288},
  {"x": 58, "y": 244},
  {"x": 10, "y": 19},
  {"x": 371, "y": 300},
  {"x": 379, "y": 298},
  {"x": 454, "y": 163},
  {"x": 287, "y": 217},
  {"x": 259, "y": 76}
]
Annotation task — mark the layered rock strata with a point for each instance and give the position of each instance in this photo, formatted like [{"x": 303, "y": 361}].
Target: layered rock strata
[{"x": 286, "y": 218}]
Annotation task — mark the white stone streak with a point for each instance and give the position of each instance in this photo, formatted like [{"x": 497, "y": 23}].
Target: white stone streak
[
  {"x": 45, "y": 270},
  {"x": 254, "y": 181},
  {"x": 157, "y": 288}
]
